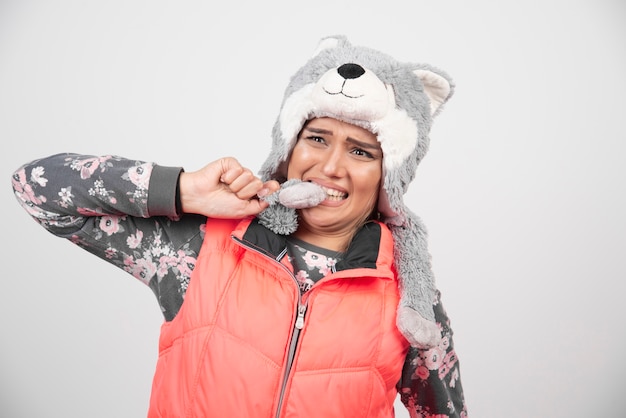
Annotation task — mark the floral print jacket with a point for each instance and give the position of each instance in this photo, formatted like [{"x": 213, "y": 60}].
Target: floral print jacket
[{"x": 124, "y": 212}]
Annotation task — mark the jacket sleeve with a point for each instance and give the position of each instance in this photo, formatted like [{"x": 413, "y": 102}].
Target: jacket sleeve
[
  {"x": 120, "y": 210},
  {"x": 431, "y": 379}
]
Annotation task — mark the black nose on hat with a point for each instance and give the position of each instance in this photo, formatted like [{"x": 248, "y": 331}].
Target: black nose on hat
[{"x": 348, "y": 71}]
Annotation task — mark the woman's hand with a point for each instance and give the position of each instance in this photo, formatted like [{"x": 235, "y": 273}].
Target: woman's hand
[{"x": 224, "y": 189}]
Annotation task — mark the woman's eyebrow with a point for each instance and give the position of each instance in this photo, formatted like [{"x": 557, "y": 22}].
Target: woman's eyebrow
[
  {"x": 318, "y": 130},
  {"x": 366, "y": 145}
]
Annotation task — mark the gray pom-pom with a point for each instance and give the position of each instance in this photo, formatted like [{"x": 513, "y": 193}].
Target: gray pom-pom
[{"x": 279, "y": 219}]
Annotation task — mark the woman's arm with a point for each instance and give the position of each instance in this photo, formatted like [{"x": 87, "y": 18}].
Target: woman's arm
[
  {"x": 62, "y": 191},
  {"x": 125, "y": 211},
  {"x": 122, "y": 211}
]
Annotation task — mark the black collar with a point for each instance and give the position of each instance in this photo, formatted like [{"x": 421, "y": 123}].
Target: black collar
[{"x": 362, "y": 252}]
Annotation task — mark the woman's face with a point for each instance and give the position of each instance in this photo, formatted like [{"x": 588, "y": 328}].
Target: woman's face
[{"x": 346, "y": 160}]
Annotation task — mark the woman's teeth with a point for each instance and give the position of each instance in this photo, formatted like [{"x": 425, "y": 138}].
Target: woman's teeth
[{"x": 334, "y": 194}]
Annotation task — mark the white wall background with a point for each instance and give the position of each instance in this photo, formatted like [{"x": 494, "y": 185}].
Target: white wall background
[{"x": 523, "y": 190}]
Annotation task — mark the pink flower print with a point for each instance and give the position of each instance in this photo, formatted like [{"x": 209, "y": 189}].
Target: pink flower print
[
  {"x": 134, "y": 240},
  {"x": 302, "y": 276},
  {"x": 36, "y": 175},
  {"x": 129, "y": 262},
  {"x": 89, "y": 211},
  {"x": 304, "y": 281},
  {"x": 183, "y": 262},
  {"x": 87, "y": 166},
  {"x": 324, "y": 270},
  {"x": 314, "y": 260},
  {"x": 433, "y": 358},
  {"x": 411, "y": 407},
  {"x": 24, "y": 190},
  {"x": 110, "y": 224},
  {"x": 19, "y": 180},
  {"x": 444, "y": 344},
  {"x": 29, "y": 193},
  {"x": 142, "y": 269},
  {"x": 318, "y": 261},
  {"x": 110, "y": 252},
  {"x": 162, "y": 269},
  {"x": 165, "y": 263},
  {"x": 75, "y": 239},
  {"x": 422, "y": 372},
  {"x": 140, "y": 175},
  {"x": 186, "y": 264},
  {"x": 448, "y": 362}
]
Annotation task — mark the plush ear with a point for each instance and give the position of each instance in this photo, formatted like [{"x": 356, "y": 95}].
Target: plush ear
[
  {"x": 437, "y": 87},
  {"x": 331, "y": 42}
]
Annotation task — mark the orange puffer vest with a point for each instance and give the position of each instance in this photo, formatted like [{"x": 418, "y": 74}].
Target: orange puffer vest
[{"x": 246, "y": 344}]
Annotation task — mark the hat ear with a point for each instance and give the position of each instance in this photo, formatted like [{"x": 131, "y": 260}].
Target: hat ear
[
  {"x": 330, "y": 42},
  {"x": 437, "y": 87}
]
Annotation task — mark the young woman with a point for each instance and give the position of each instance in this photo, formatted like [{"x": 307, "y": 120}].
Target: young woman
[{"x": 261, "y": 324}]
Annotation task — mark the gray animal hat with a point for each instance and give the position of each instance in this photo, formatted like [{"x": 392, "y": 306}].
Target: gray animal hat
[{"x": 396, "y": 101}]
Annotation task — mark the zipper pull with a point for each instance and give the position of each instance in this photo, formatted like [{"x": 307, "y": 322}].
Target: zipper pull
[{"x": 300, "y": 318}]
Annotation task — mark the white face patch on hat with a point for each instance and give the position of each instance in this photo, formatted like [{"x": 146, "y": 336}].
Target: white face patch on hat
[
  {"x": 355, "y": 95},
  {"x": 397, "y": 134},
  {"x": 352, "y": 92}
]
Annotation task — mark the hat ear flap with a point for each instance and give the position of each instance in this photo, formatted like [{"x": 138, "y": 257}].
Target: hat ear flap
[
  {"x": 437, "y": 86},
  {"x": 416, "y": 318}
]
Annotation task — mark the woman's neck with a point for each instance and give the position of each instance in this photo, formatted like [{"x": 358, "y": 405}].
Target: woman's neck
[{"x": 330, "y": 241}]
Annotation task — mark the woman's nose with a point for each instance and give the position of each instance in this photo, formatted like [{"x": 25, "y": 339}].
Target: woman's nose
[{"x": 334, "y": 163}]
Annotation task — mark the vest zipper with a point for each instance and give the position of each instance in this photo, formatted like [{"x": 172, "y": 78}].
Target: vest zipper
[
  {"x": 293, "y": 344},
  {"x": 300, "y": 318},
  {"x": 297, "y": 327}
]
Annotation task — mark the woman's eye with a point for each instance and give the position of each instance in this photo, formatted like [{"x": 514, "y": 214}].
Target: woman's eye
[
  {"x": 362, "y": 153},
  {"x": 317, "y": 139}
]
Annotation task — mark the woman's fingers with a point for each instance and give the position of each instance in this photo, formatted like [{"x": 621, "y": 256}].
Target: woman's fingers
[{"x": 245, "y": 185}]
